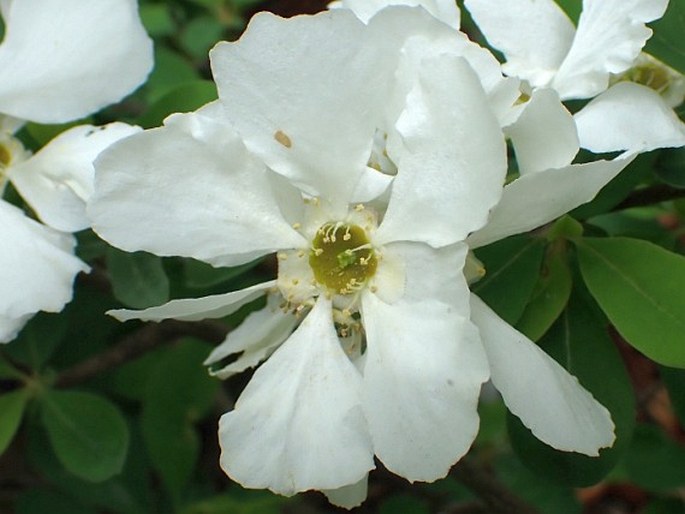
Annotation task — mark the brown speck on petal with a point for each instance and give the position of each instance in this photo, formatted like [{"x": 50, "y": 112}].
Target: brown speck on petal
[{"x": 283, "y": 138}]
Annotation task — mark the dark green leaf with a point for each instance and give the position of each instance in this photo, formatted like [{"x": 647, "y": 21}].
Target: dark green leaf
[
  {"x": 39, "y": 339},
  {"x": 183, "y": 98},
  {"x": 200, "y": 275},
  {"x": 550, "y": 295},
  {"x": 255, "y": 503},
  {"x": 665, "y": 506},
  {"x": 171, "y": 70},
  {"x": 88, "y": 433},
  {"x": 654, "y": 461},
  {"x": 138, "y": 279},
  {"x": 200, "y": 35},
  {"x": 157, "y": 19},
  {"x": 42, "y": 501},
  {"x": 179, "y": 392},
  {"x": 404, "y": 504},
  {"x": 674, "y": 379},
  {"x": 579, "y": 342},
  {"x": 572, "y": 7},
  {"x": 511, "y": 271},
  {"x": 667, "y": 42},
  {"x": 12, "y": 407},
  {"x": 640, "y": 287},
  {"x": 670, "y": 167}
]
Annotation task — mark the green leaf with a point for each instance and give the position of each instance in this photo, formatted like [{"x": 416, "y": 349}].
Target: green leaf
[
  {"x": 665, "y": 506},
  {"x": 674, "y": 380},
  {"x": 667, "y": 42},
  {"x": 640, "y": 288},
  {"x": 8, "y": 371},
  {"x": 179, "y": 393},
  {"x": 171, "y": 69},
  {"x": 572, "y": 7},
  {"x": 550, "y": 295},
  {"x": 200, "y": 275},
  {"x": 670, "y": 167},
  {"x": 654, "y": 461},
  {"x": 183, "y": 98},
  {"x": 12, "y": 407},
  {"x": 39, "y": 339},
  {"x": 138, "y": 279},
  {"x": 42, "y": 501},
  {"x": 157, "y": 19},
  {"x": 200, "y": 35},
  {"x": 511, "y": 271},
  {"x": 87, "y": 432},
  {"x": 579, "y": 342}
]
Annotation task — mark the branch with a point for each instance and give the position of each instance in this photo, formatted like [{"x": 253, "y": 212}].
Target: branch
[
  {"x": 147, "y": 338},
  {"x": 650, "y": 196},
  {"x": 496, "y": 495}
]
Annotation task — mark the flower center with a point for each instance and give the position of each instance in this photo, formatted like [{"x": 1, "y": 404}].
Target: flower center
[{"x": 342, "y": 258}]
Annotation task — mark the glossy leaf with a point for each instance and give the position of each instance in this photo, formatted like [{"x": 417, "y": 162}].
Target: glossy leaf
[
  {"x": 640, "y": 288},
  {"x": 579, "y": 341},
  {"x": 12, "y": 407},
  {"x": 550, "y": 295},
  {"x": 138, "y": 279},
  {"x": 511, "y": 265},
  {"x": 87, "y": 432}
]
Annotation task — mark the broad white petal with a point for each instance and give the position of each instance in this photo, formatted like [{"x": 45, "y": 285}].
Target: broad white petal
[
  {"x": 255, "y": 339},
  {"x": 444, "y": 10},
  {"x": 610, "y": 36},
  {"x": 37, "y": 266},
  {"x": 534, "y": 35},
  {"x": 349, "y": 496},
  {"x": 189, "y": 189},
  {"x": 306, "y": 95},
  {"x": 63, "y": 59},
  {"x": 452, "y": 162},
  {"x": 195, "y": 309},
  {"x": 423, "y": 367},
  {"x": 58, "y": 180},
  {"x": 298, "y": 424},
  {"x": 549, "y": 401},
  {"x": 538, "y": 198},
  {"x": 544, "y": 136},
  {"x": 630, "y": 117}
]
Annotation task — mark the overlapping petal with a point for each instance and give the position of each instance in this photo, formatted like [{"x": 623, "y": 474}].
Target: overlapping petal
[
  {"x": 58, "y": 180},
  {"x": 349, "y": 496},
  {"x": 444, "y": 10},
  {"x": 63, "y": 59},
  {"x": 549, "y": 401},
  {"x": 195, "y": 309},
  {"x": 254, "y": 340},
  {"x": 423, "y": 367},
  {"x": 629, "y": 117},
  {"x": 610, "y": 36},
  {"x": 190, "y": 189},
  {"x": 534, "y": 35},
  {"x": 37, "y": 267},
  {"x": 556, "y": 191},
  {"x": 298, "y": 424},
  {"x": 544, "y": 135},
  {"x": 310, "y": 119},
  {"x": 452, "y": 161}
]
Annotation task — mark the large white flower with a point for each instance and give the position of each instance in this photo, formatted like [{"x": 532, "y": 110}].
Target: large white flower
[
  {"x": 542, "y": 46},
  {"x": 343, "y": 148},
  {"x": 59, "y": 60}
]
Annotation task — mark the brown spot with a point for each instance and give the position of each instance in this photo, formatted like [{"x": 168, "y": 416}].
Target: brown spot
[{"x": 283, "y": 138}]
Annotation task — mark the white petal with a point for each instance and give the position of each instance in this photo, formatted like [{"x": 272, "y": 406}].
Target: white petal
[
  {"x": 10, "y": 327},
  {"x": 630, "y": 117},
  {"x": 63, "y": 59},
  {"x": 549, "y": 401},
  {"x": 298, "y": 424},
  {"x": 195, "y": 309},
  {"x": 58, "y": 180},
  {"x": 534, "y": 35},
  {"x": 189, "y": 189},
  {"x": 544, "y": 136},
  {"x": 349, "y": 496},
  {"x": 255, "y": 339},
  {"x": 444, "y": 10},
  {"x": 610, "y": 36},
  {"x": 10, "y": 125},
  {"x": 423, "y": 368},
  {"x": 37, "y": 266},
  {"x": 538, "y": 198},
  {"x": 306, "y": 96},
  {"x": 453, "y": 161}
]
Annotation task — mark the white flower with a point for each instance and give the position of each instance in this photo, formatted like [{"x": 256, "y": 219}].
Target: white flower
[
  {"x": 444, "y": 10},
  {"x": 344, "y": 149},
  {"x": 59, "y": 60},
  {"x": 543, "y": 47}
]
